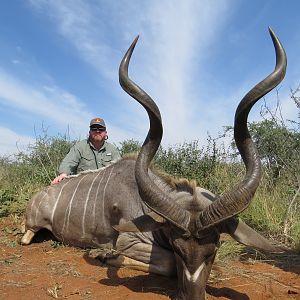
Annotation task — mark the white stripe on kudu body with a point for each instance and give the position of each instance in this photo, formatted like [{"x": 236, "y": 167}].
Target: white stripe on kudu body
[
  {"x": 37, "y": 210},
  {"x": 85, "y": 205},
  {"x": 57, "y": 199},
  {"x": 69, "y": 208},
  {"x": 96, "y": 197},
  {"x": 103, "y": 208}
]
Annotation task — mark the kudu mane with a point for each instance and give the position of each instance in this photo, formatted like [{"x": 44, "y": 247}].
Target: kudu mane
[{"x": 176, "y": 184}]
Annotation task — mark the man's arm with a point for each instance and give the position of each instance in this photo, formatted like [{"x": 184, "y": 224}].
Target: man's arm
[
  {"x": 71, "y": 161},
  {"x": 68, "y": 165}
]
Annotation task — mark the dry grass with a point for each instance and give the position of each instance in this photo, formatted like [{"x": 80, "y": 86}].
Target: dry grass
[
  {"x": 59, "y": 267},
  {"x": 54, "y": 290}
]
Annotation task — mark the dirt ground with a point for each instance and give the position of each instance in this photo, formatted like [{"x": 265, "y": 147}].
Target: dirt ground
[{"x": 46, "y": 269}]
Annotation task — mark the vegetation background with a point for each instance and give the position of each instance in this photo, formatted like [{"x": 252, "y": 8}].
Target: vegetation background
[{"x": 275, "y": 211}]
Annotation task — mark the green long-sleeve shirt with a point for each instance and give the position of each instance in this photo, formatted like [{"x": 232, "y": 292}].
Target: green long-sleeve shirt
[{"x": 83, "y": 156}]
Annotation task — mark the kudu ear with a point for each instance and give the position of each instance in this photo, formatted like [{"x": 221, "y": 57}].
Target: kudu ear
[
  {"x": 245, "y": 235},
  {"x": 144, "y": 223}
]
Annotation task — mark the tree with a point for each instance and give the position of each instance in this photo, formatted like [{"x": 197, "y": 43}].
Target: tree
[
  {"x": 278, "y": 147},
  {"x": 278, "y": 143}
]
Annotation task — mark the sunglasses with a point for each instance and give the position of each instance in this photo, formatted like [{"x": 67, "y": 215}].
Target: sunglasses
[{"x": 100, "y": 129}]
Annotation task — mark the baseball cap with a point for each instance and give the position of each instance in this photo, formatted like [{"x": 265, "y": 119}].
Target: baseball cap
[{"x": 97, "y": 121}]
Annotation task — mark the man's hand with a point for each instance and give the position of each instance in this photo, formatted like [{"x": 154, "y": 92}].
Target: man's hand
[{"x": 59, "y": 178}]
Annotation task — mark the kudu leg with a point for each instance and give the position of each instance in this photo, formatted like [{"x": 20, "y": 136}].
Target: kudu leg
[
  {"x": 144, "y": 257},
  {"x": 124, "y": 261}
]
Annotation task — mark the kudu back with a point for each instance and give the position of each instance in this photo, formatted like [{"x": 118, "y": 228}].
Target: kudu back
[{"x": 147, "y": 220}]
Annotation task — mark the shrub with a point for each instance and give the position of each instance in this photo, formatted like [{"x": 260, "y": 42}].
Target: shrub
[
  {"x": 25, "y": 173},
  {"x": 275, "y": 209}
]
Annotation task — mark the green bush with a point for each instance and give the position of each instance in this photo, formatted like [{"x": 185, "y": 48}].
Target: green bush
[
  {"x": 25, "y": 173},
  {"x": 129, "y": 146}
]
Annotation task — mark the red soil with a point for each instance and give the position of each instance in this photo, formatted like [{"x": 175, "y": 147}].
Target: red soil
[{"x": 43, "y": 271}]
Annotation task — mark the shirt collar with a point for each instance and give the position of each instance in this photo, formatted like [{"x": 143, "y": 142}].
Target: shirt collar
[{"x": 92, "y": 146}]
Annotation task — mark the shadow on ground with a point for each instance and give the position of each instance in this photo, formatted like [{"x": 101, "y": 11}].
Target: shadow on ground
[
  {"x": 152, "y": 283},
  {"x": 288, "y": 261}
]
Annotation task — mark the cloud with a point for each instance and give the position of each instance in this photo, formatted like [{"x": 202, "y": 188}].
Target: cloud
[
  {"x": 46, "y": 105},
  {"x": 174, "y": 65},
  {"x": 176, "y": 38},
  {"x": 43, "y": 103},
  {"x": 102, "y": 31},
  {"x": 11, "y": 142},
  {"x": 77, "y": 21}
]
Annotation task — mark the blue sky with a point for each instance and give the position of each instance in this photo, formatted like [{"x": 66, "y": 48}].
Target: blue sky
[{"x": 59, "y": 64}]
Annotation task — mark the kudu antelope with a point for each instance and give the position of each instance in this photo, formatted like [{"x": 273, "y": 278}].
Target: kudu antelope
[{"x": 154, "y": 222}]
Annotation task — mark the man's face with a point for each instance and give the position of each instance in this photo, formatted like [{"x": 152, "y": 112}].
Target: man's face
[{"x": 97, "y": 133}]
